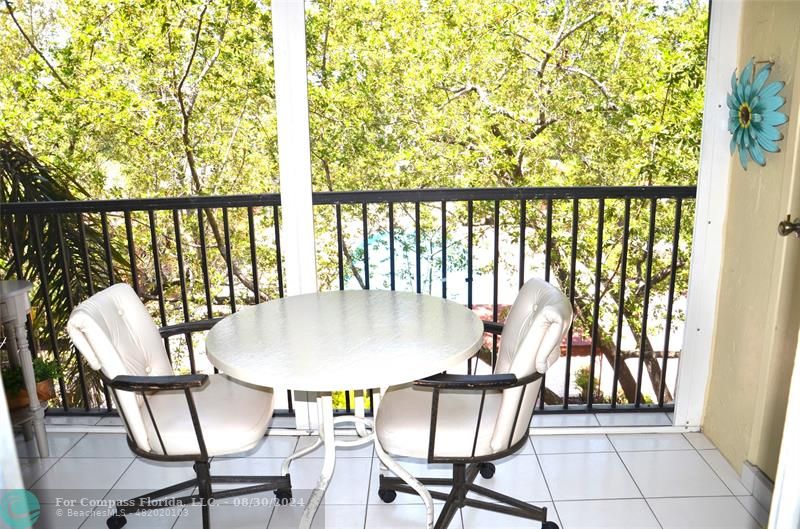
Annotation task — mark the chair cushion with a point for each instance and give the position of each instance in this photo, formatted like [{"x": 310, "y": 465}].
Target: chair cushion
[
  {"x": 403, "y": 422},
  {"x": 114, "y": 332},
  {"x": 234, "y": 417}
]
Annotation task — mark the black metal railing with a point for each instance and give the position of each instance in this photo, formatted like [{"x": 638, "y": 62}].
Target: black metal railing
[
  {"x": 161, "y": 247},
  {"x": 609, "y": 270},
  {"x": 619, "y": 253}
]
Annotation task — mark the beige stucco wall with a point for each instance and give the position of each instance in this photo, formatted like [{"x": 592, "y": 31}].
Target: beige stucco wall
[{"x": 757, "y": 324}]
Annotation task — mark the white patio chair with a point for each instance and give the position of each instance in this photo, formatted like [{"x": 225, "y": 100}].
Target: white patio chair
[
  {"x": 170, "y": 417},
  {"x": 470, "y": 420}
]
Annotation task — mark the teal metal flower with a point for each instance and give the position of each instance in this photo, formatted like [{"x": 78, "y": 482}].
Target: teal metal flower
[{"x": 754, "y": 115}]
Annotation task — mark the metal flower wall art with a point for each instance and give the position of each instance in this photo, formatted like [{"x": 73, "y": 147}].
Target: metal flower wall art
[{"x": 753, "y": 118}]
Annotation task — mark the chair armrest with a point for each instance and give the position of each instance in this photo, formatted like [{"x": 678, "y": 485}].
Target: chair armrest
[
  {"x": 148, "y": 383},
  {"x": 492, "y": 327},
  {"x": 188, "y": 327},
  {"x": 445, "y": 381}
]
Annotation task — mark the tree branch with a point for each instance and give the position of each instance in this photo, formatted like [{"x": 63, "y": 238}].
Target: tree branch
[
  {"x": 195, "y": 45},
  {"x": 33, "y": 46},
  {"x": 600, "y": 86},
  {"x": 560, "y": 37},
  {"x": 483, "y": 97}
]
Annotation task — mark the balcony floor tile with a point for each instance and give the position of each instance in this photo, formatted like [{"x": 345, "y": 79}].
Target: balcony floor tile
[
  {"x": 402, "y": 516},
  {"x": 587, "y": 477},
  {"x": 633, "y": 419},
  {"x": 708, "y": 513},
  {"x": 526, "y": 486},
  {"x": 649, "y": 442},
  {"x": 75, "y": 478},
  {"x": 699, "y": 441},
  {"x": 59, "y": 443},
  {"x": 480, "y": 519},
  {"x": 673, "y": 473},
  {"x": 611, "y": 514},
  {"x": 53, "y": 517},
  {"x": 328, "y": 517},
  {"x": 635, "y": 481},
  {"x": 724, "y": 470},
  {"x": 33, "y": 468},
  {"x": 101, "y": 445},
  {"x": 571, "y": 444},
  {"x": 564, "y": 420},
  {"x": 225, "y": 515},
  {"x": 163, "y": 519}
]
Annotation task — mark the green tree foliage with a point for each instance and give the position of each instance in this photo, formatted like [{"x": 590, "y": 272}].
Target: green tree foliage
[
  {"x": 52, "y": 247},
  {"x": 165, "y": 98}
]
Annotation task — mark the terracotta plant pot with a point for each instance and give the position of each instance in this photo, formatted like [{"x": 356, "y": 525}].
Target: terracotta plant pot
[{"x": 44, "y": 391}]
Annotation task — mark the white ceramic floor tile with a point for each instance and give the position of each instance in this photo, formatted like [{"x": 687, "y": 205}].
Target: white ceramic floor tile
[
  {"x": 272, "y": 446},
  {"x": 145, "y": 476},
  {"x": 725, "y": 471},
  {"x": 633, "y": 419},
  {"x": 755, "y": 509},
  {"x": 347, "y": 486},
  {"x": 249, "y": 466},
  {"x": 101, "y": 445},
  {"x": 418, "y": 468},
  {"x": 76, "y": 420},
  {"x": 587, "y": 477},
  {"x": 33, "y": 468},
  {"x": 110, "y": 421},
  {"x": 155, "y": 519},
  {"x": 226, "y": 516},
  {"x": 673, "y": 474},
  {"x": 55, "y": 517},
  {"x": 283, "y": 422},
  {"x": 365, "y": 450},
  {"x": 77, "y": 478},
  {"x": 528, "y": 485},
  {"x": 527, "y": 448},
  {"x": 400, "y": 516},
  {"x": 328, "y": 517},
  {"x": 699, "y": 441},
  {"x": 563, "y": 420},
  {"x": 648, "y": 442},
  {"x": 481, "y": 519},
  {"x": 59, "y": 444},
  {"x": 611, "y": 514},
  {"x": 702, "y": 513},
  {"x": 571, "y": 444}
]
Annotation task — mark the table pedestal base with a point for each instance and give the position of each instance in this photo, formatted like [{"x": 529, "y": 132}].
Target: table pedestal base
[{"x": 327, "y": 438}]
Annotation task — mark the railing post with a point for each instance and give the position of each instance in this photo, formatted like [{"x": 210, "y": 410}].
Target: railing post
[{"x": 294, "y": 157}]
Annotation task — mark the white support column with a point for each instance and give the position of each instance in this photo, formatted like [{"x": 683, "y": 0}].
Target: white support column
[
  {"x": 294, "y": 157},
  {"x": 711, "y": 210},
  {"x": 10, "y": 476}
]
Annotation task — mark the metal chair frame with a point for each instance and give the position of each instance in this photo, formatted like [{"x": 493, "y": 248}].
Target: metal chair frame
[
  {"x": 466, "y": 469},
  {"x": 146, "y": 386}
]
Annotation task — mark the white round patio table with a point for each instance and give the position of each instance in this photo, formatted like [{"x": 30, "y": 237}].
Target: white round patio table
[{"x": 344, "y": 340}]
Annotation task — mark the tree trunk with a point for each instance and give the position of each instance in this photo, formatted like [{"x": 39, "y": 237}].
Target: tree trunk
[{"x": 605, "y": 344}]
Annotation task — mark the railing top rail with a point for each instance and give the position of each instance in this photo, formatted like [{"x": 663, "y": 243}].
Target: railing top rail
[
  {"x": 140, "y": 204},
  {"x": 351, "y": 197},
  {"x": 502, "y": 193}
]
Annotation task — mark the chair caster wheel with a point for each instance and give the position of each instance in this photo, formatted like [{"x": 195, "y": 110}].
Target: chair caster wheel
[
  {"x": 116, "y": 522},
  {"x": 487, "y": 471},
  {"x": 284, "y": 496},
  {"x": 549, "y": 525},
  {"x": 387, "y": 496}
]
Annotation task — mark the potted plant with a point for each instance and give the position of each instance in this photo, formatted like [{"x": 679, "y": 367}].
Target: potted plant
[{"x": 14, "y": 383}]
